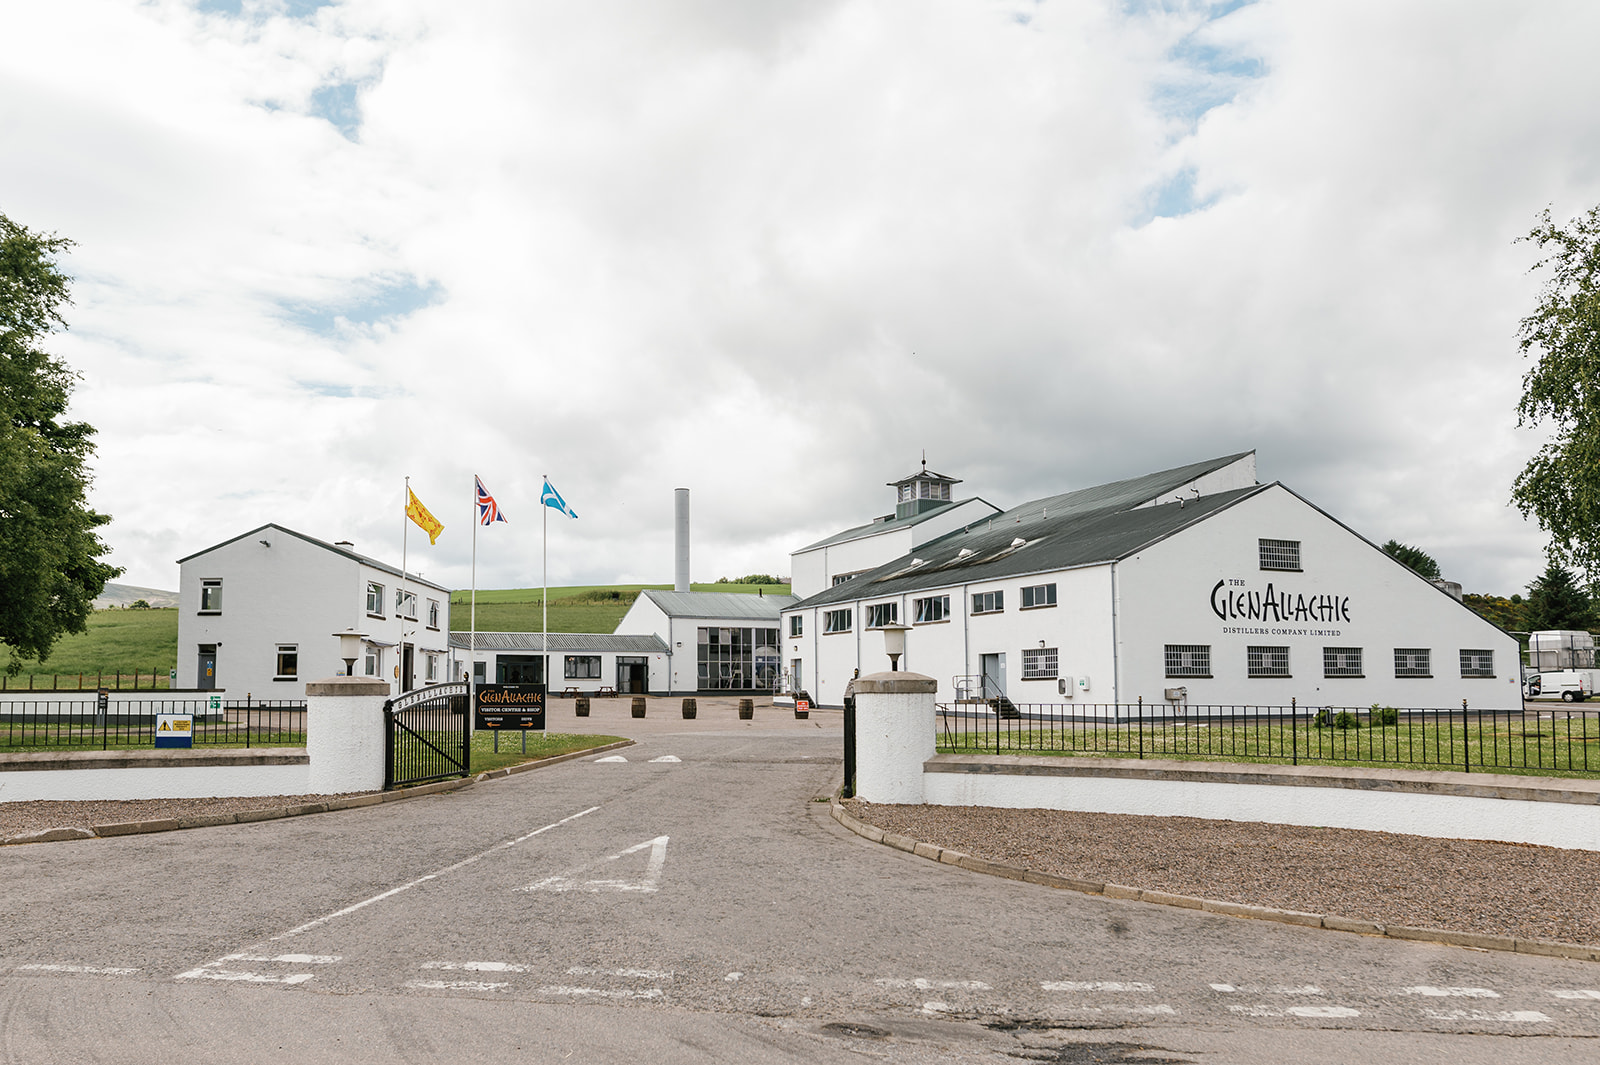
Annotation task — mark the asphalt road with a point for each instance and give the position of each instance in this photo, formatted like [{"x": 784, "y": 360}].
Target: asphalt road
[{"x": 691, "y": 903}]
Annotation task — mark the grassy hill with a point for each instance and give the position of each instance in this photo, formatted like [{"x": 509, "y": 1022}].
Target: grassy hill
[
  {"x": 577, "y": 608},
  {"x": 125, "y": 641}
]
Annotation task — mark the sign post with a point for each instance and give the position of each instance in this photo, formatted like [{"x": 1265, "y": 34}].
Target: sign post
[{"x": 509, "y": 707}]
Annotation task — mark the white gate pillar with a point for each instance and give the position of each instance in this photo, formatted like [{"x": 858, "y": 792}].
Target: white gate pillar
[
  {"x": 894, "y": 735},
  {"x": 345, "y": 734}
]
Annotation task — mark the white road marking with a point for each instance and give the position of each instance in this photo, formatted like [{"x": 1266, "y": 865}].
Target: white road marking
[
  {"x": 1450, "y": 992},
  {"x": 1510, "y": 1016},
  {"x": 208, "y": 971},
  {"x": 733, "y": 978},
  {"x": 936, "y": 985},
  {"x": 1295, "y": 1011},
  {"x": 651, "y": 881},
  {"x": 479, "y": 966},
  {"x": 935, "y": 1007},
  {"x": 631, "y": 974},
  {"x": 610, "y": 758},
  {"x": 667, "y": 758},
  {"x": 1094, "y": 985},
  {"x": 454, "y": 985},
  {"x": 1275, "y": 989},
  {"x": 1577, "y": 992},
  {"x": 288, "y": 959},
  {"x": 96, "y": 970},
  {"x": 558, "y": 989}
]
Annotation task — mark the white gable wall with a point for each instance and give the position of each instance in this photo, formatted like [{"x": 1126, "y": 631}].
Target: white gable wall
[
  {"x": 1240, "y": 473},
  {"x": 1353, "y": 595}
]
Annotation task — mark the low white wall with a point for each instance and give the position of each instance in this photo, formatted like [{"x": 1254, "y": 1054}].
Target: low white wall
[
  {"x": 1550, "y": 824},
  {"x": 163, "y": 782}
]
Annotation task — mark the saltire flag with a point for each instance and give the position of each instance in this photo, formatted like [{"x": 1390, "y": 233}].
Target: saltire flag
[
  {"x": 552, "y": 498},
  {"x": 488, "y": 510},
  {"x": 425, "y": 521}
]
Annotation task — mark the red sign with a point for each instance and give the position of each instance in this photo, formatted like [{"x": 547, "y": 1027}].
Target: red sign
[{"x": 802, "y": 704}]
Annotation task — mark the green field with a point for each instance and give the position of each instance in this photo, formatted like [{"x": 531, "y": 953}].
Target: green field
[
  {"x": 118, "y": 641},
  {"x": 578, "y": 608}
]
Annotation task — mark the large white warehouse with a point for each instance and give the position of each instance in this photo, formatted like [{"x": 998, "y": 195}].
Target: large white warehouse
[{"x": 1195, "y": 585}]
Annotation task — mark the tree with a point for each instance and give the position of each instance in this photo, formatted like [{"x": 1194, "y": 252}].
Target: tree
[
  {"x": 50, "y": 571},
  {"x": 1556, "y": 602},
  {"x": 1560, "y": 486},
  {"x": 1415, "y": 557}
]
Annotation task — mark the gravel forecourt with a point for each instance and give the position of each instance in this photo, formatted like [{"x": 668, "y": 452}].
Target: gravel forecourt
[{"x": 1502, "y": 889}]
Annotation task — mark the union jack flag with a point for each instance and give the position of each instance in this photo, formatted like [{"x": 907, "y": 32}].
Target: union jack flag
[{"x": 488, "y": 510}]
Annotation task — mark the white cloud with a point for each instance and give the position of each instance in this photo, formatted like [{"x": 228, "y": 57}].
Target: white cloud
[{"x": 771, "y": 252}]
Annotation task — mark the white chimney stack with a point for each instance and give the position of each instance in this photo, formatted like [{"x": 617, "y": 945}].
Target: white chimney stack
[{"x": 680, "y": 569}]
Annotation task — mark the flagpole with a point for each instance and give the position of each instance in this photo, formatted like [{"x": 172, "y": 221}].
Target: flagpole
[
  {"x": 405, "y": 527},
  {"x": 472, "y": 640},
  {"x": 544, "y": 600}
]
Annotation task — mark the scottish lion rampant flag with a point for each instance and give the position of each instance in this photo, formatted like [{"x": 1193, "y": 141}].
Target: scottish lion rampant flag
[
  {"x": 488, "y": 510},
  {"x": 552, "y": 498}
]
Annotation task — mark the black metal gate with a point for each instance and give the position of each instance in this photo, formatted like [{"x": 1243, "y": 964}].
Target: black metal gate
[{"x": 427, "y": 735}]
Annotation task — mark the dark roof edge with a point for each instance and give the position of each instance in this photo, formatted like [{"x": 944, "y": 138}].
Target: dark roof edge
[{"x": 363, "y": 559}]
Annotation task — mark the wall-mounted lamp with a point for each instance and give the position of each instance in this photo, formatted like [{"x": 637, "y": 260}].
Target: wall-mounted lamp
[
  {"x": 264, "y": 543},
  {"x": 350, "y": 649},
  {"x": 1041, "y": 645}
]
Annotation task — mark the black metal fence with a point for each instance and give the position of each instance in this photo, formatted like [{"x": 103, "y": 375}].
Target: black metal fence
[
  {"x": 130, "y": 723},
  {"x": 427, "y": 735},
  {"x": 1554, "y": 740}
]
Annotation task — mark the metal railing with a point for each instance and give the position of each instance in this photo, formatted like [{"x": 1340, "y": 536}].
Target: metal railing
[
  {"x": 128, "y": 723},
  {"x": 1462, "y": 739},
  {"x": 136, "y": 681},
  {"x": 427, "y": 735}
]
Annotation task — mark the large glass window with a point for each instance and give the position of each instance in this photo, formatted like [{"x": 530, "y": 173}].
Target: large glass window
[
  {"x": 581, "y": 667},
  {"x": 738, "y": 659},
  {"x": 836, "y": 621},
  {"x": 211, "y": 596}
]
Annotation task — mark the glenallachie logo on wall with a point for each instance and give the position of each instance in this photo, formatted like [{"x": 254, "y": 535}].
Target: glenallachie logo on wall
[{"x": 1232, "y": 600}]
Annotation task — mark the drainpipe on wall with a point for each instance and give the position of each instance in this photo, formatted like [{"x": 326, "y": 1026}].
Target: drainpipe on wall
[{"x": 1116, "y": 666}]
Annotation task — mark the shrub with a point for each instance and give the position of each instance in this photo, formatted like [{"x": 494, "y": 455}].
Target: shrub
[
  {"x": 1346, "y": 720},
  {"x": 1383, "y": 716}
]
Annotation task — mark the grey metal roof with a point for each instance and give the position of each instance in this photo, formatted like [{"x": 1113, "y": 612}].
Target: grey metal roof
[
  {"x": 374, "y": 563},
  {"x": 1066, "y": 538},
  {"x": 730, "y": 605},
  {"x": 1121, "y": 495},
  {"x": 872, "y": 528},
  {"x": 603, "y": 642}
]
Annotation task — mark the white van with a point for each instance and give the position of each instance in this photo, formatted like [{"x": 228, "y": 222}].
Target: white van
[{"x": 1568, "y": 685}]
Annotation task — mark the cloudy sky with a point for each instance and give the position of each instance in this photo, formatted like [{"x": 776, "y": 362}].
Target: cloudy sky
[{"x": 772, "y": 251}]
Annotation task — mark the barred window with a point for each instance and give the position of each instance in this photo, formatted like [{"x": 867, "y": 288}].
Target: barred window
[
  {"x": 1039, "y": 663},
  {"x": 988, "y": 602},
  {"x": 797, "y": 625},
  {"x": 933, "y": 608},
  {"x": 1038, "y": 595},
  {"x": 881, "y": 614},
  {"x": 1341, "y": 662},
  {"x": 836, "y": 621},
  {"x": 1412, "y": 662},
  {"x": 1188, "y": 660},
  {"x": 581, "y": 667},
  {"x": 1280, "y": 554},
  {"x": 1268, "y": 661},
  {"x": 1477, "y": 663}
]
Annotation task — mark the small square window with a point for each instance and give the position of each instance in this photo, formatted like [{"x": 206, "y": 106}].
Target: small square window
[
  {"x": 1341, "y": 662},
  {"x": 1188, "y": 659},
  {"x": 211, "y": 596},
  {"x": 1413, "y": 662},
  {"x": 1280, "y": 554},
  {"x": 988, "y": 602},
  {"x": 1267, "y": 661},
  {"x": 1477, "y": 663},
  {"x": 288, "y": 661},
  {"x": 1039, "y": 663},
  {"x": 797, "y": 625}
]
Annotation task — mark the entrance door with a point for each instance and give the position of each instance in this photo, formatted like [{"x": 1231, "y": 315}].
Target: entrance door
[
  {"x": 408, "y": 679},
  {"x": 206, "y": 677},
  {"x": 633, "y": 675},
  {"x": 993, "y": 668}
]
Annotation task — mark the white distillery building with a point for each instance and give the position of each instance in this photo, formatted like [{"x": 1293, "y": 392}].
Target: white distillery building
[
  {"x": 716, "y": 641},
  {"x": 256, "y": 616},
  {"x": 1195, "y": 585},
  {"x": 580, "y": 662}
]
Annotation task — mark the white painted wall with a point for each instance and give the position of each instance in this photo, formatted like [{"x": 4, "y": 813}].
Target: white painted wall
[
  {"x": 1165, "y": 597},
  {"x": 812, "y": 571},
  {"x": 1548, "y": 824}
]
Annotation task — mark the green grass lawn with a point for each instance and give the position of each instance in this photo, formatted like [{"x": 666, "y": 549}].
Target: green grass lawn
[
  {"x": 540, "y": 745},
  {"x": 1566, "y": 747},
  {"x": 125, "y": 641},
  {"x": 576, "y": 608}
]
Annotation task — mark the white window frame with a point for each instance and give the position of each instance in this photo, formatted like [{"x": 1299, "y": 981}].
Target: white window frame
[
  {"x": 432, "y": 670},
  {"x": 1336, "y": 662},
  {"x": 374, "y": 600},
  {"x": 570, "y": 667},
  {"x": 292, "y": 651},
  {"x": 433, "y": 614},
  {"x": 1187, "y": 659},
  {"x": 372, "y": 662},
  {"x": 1038, "y": 595},
  {"x": 930, "y": 609},
  {"x": 1477, "y": 662},
  {"x": 211, "y": 595},
  {"x": 1279, "y": 554},
  {"x": 881, "y": 614},
  {"x": 1418, "y": 662},
  {"x": 989, "y": 602},
  {"x": 1267, "y": 660},
  {"x": 1041, "y": 663},
  {"x": 797, "y": 626},
  {"x": 405, "y": 604},
  {"x": 836, "y": 621}
]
